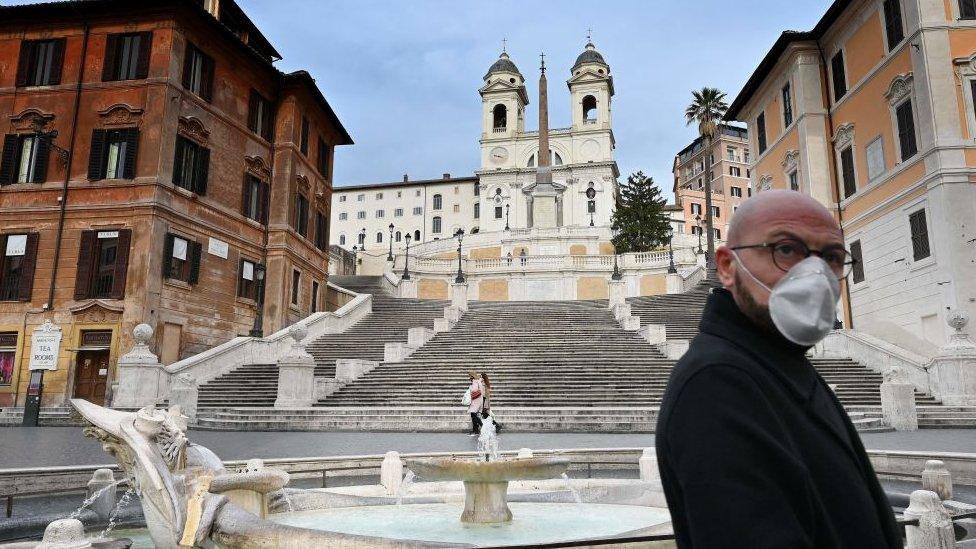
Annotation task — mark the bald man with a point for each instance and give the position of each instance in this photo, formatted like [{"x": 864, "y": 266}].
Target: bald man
[{"x": 754, "y": 449}]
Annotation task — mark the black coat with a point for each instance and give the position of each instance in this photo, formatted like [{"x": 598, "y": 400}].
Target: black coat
[{"x": 755, "y": 451}]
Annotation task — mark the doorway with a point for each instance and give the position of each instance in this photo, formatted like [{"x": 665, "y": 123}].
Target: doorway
[{"x": 91, "y": 376}]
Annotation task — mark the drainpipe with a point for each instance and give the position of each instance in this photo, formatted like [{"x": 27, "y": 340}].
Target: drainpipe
[
  {"x": 67, "y": 170},
  {"x": 832, "y": 162}
]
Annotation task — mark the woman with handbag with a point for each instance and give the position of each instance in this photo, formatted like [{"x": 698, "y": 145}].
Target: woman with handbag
[{"x": 477, "y": 394}]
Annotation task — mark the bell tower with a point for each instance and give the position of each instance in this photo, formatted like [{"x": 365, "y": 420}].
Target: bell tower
[
  {"x": 591, "y": 89},
  {"x": 503, "y": 99}
]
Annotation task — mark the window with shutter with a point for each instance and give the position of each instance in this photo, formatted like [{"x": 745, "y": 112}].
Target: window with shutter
[
  {"x": 9, "y": 159},
  {"x": 301, "y": 214},
  {"x": 894, "y": 30},
  {"x": 191, "y": 166},
  {"x": 198, "y": 73},
  {"x": 96, "y": 156},
  {"x": 303, "y": 144},
  {"x": 18, "y": 256},
  {"x": 196, "y": 252},
  {"x": 920, "y": 235},
  {"x": 260, "y": 116},
  {"x": 857, "y": 274},
  {"x": 906, "y": 130},
  {"x": 182, "y": 260},
  {"x": 321, "y": 231},
  {"x": 847, "y": 172},
  {"x": 967, "y": 9},
  {"x": 761, "y": 132},
  {"x": 251, "y": 199},
  {"x": 839, "y": 75},
  {"x": 296, "y": 281},
  {"x": 86, "y": 265},
  {"x": 315, "y": 297},
  {"x": 247, "y": 286},
  {"x": 323, "y": 159},
  {"x": 119, "y": 150},
  {"x": 40, "y": 62},
  {"x": 787, "y": 106},
  {"x": 121, "y": 263},
  {"x": 127, "y": 56}
]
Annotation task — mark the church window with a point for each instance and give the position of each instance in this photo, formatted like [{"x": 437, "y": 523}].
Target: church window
[
  {"x": 499, "y": 117},
  {"x": 379, "y": 237},
  {"x": 477, "y": 210},
  {"x": 589, "y": 109},
  {"x": 416, "y": 235}
]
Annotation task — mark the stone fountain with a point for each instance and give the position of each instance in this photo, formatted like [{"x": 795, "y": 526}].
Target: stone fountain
[
  {"x": 486, "y": 482},
  {"x": 189, "y": 499}
]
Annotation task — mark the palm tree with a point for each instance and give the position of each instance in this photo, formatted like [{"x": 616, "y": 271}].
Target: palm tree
[{"x": 707, "y": 110}]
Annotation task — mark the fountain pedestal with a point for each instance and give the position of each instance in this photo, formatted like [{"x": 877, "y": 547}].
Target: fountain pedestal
[
  {"x": 486, "y": 502},
  {"x": 486, "y": 482}
]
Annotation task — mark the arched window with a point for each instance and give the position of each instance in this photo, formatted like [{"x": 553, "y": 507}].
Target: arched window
[
  {"x": 379, "y": 237},
  {"x": 475, "y": 230},
  {"x": 589, "y": 108},
  {"x": 416, "y": 235},
  {"x": 342, "y": 240},
  {"x": 398, "y": 236},
  {"x": 436, "y": 225},
  {"x": 499, "y": 117},
  {"x": 556, "y": 160},
  {"x": 438, "y": 201},
  {"x": 362, "y": 238}
]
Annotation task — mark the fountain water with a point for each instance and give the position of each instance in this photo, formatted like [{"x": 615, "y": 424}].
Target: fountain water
[
  {"x": 404, "y": 487},
  {"x": 123, "y": 501},
  {"x": 488, "y": 440},
  {"x": 572, "y": 490},
  {"x": 93, "y": 498}
]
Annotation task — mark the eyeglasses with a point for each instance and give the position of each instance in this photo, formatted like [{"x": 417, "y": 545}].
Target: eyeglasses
[{"x": 788, "y": 252}]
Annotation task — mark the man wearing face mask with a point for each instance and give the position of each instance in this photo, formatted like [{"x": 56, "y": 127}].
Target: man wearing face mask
[{"x": 753, "y": 447}]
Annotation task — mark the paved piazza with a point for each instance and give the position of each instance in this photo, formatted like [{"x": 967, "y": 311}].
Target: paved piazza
[{"x": 61, "y": 446}]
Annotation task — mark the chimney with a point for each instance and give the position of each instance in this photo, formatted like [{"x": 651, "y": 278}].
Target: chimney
[
  {"x": 405, "y": 179},
  {"x": 447, "y": 176}
]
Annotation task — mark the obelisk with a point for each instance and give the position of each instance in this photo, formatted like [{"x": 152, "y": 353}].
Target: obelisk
[{"x": 544, "y": 194}]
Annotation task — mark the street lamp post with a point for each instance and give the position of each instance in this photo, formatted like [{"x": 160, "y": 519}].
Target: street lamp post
[
  {"x": 460, "y": 274},
  {"x": 671, "y": 268},
  {"x": 389, "y": 256},
  {"x": 506, "y": 217},
  {"x": 616, "y": 267},
  {"x": 698, "y": 224},
  {"x": 257, "y": 330},
  {"x": 406, "y": 259}
]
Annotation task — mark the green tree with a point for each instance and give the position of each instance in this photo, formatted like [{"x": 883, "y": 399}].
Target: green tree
[
  {"x": 707, "y": 109},
  {"x": 639, "y": 220}
]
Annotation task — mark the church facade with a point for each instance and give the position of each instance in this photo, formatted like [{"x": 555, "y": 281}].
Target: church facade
[{"x": 573, "y": 183}]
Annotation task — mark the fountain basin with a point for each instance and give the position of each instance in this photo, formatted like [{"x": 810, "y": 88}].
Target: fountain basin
[{"x": 486, "y": 482}]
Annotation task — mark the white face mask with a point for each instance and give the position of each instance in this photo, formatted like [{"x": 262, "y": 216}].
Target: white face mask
[{"x": 803, "y": 304}]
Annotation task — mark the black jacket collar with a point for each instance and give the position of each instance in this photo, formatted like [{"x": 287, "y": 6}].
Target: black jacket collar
[{"x": 785, "y": 359}]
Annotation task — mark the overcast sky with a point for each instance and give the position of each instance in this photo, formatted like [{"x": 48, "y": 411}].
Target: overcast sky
[{"x": 403, "y": 76}]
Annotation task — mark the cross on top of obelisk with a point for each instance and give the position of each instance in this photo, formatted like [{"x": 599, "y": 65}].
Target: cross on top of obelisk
[{"x": 543, "y": 57}]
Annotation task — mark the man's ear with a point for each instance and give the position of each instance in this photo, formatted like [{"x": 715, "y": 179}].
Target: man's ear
[{"x": 726, "y": 266}]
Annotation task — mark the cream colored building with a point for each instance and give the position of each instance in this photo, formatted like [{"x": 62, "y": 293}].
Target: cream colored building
[
  {"x": 500, "y": 192},
  {"x": 728, "y": 169},
  {"x": 871, "y": 113},
  {"x": 427, "y": 210},
  {"x": 582, "y": 154}
]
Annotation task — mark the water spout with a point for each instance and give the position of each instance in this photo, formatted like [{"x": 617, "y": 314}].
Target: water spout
[
  {"x": 488, "y": 440},
  {"x": 404, "y": 487},
  {"x": 572, "y": 490},
  {"x": 93, "y": 498}
]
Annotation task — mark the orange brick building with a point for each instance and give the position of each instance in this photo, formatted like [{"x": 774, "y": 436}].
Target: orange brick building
[{"x": 155, "y": 166}]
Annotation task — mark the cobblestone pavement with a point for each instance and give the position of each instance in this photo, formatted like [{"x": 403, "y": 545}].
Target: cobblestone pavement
[{"x": 58, "y": 446}]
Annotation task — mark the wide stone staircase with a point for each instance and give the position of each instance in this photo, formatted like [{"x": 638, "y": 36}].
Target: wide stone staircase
[
  {"x": 553, "y": 366},
  {"x": 257, "y": 384}
]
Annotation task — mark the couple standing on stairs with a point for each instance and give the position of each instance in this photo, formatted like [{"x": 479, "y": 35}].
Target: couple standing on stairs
[{"x": 478, "y": 398}]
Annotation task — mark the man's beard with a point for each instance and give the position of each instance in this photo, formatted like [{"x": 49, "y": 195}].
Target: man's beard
[{"x": 757, "y": 313}]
